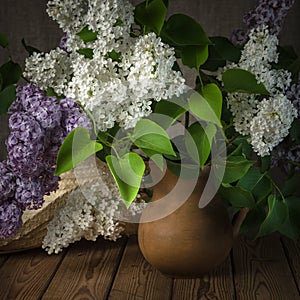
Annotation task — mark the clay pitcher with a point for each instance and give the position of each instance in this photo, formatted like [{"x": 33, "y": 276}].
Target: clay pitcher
[{"x": 189, "y": 241}]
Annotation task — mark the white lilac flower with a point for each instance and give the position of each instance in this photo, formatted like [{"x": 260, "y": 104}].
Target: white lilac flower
[
  {"x": 69, "y": 14},
  {"x": 88, "y": 213},
  {"x": 110, "y": 19},
  {"x": 252, "y": 116},
  {"x": 53, "y": 69},
  {"x": 271, "y": 124},
  {"x": 122, "y": 90},
  {"x": 116, "y": 89},
  {"x": 243, "y": 108}
]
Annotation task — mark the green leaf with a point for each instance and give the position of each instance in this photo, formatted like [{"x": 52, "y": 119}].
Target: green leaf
[
  {"x": 77, "y": 147},
  {"x": 213, "y": 96},
  {"x": 86, "y": 52},
  {"x": 171, "y": 110},
  {"x": 194, "y": 56},
  {"x": 291, "y": 185},
  {"x": 237, "y": 196},
  {"x": 7, "y": 97},
  {"x": 242, "y": 81},
  {"x": 246, "y": 146},
  {"x": 198, "y": 142},
  {"x": 127, "y": 172},
  {"x": 184, "y": 30},
  {"x": 201, "y": 108},
  {"x": 87, "y": 35},
  {"x": 254, "y": 219},
  {"x": 291, "y": 227},
  {"x": 11, "y": 73},
  {"x": 157, "y": 158},
  {"x": 149, "y": 135},
  {"x": 50, "y": 92},
  {"x": 277, "y": 215},
  {"x": 114, "y": 55},
  {"x": 236, "y": 168},
  {"x": 151, "y": 15},
  {"x": 226, "y": 49},
  {"x": 3, "y": 40},
  {"x": 29, "y": 49},
  {"x": 265, "y": 163},
  {"x": 256, "y": 183},
  {"x": 214, "y": 61}
]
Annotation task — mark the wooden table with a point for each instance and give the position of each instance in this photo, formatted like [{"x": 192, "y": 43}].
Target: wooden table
[{"x": 268, "y": 268}]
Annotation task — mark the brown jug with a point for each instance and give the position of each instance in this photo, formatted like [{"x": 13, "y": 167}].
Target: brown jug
[{"x": 190, "y": 241}]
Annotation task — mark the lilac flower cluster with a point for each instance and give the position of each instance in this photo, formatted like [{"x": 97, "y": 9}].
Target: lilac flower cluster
[
  {"x": 38, "y": 125},
  {"x": 293, "y": 94},
  {"x": 268, "y": 12},
  {"x": 286, "y": 158},
  {"x": 287, "y": 154}
]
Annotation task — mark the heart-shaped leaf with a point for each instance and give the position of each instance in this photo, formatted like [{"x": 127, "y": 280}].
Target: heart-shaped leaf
[
  {"x": 198, "y": 142},
  {"x": 277, "y": 215},
  {"x": 7, "y": 96},
  {"x": 194, "y": 56},
  {"x": 257, "y": 183},
  {"x": 237, "y": 196},
  {"x": 127, "y": 172},
  {"x": 11, "y": 73},
  {"x": 77, "y": 147},
  {"x": 149, "y": 135},
  {"x": 201, "y": 108},
  {"x": 151, "y": 15},
  {"x": 184, "y": 30},
  {"x": 213, "y": 96},
  {"x": 236, "y": 168},
  {"x": 242, "y": 81}
]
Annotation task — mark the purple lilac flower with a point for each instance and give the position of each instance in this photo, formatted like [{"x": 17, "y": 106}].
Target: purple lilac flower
[
  {"x": 23, "y": 93},
  {"x": 293, "y": 94},
  {"x": 267, "y": 12},
  {"x": 38, "y": 126},
  {"x": 45, "y": 110},
  {"x": 29, "y": 192},
  {"x": 10, "y": 219},
  {"x": 73, "y": 115},
  {"x": 50, "y": 181},
  {"x": 25, "y": 144},
  {"x": 62, "y": 42},
  {"x": 288, "y": 159},
  {"x": 7, "y": 183},
  {"x": 25, "y": 127},
  {"x": 34, "y": 101}
]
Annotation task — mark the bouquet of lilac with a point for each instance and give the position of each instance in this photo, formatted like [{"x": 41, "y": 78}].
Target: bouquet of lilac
[
  {"x": 38, "y": 125},
  {"x": 118, "y": 64}
]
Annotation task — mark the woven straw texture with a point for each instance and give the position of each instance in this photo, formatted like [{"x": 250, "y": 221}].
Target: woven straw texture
[{"x": 35, "y": 222}]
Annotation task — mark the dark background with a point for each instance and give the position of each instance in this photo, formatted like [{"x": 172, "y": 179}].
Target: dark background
[{"x": 28, "y": 19}]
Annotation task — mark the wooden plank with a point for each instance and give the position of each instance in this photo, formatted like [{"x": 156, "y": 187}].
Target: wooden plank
[
  {"x": 87, "y": 271},
  {"x": 136, "y": 279},
  {"x": 218, "y": 284},
  {"x": 261, "y": 270},
  {"x": 26, "y": 275},
  {"x": 292, "y": 251},
  {"x": 3, "y": 258}
]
